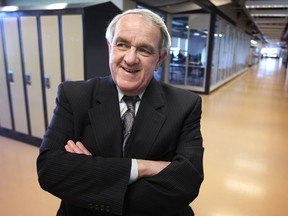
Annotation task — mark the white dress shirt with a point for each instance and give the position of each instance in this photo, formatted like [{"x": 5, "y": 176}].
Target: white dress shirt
[{"x": 123, "y": 109}]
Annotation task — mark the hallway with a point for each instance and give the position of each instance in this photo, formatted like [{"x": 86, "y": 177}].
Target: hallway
[{"x": 245, "y": 130}]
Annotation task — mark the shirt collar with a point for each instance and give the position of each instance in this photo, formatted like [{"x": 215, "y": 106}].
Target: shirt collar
[{"x": 120, "y": 94}]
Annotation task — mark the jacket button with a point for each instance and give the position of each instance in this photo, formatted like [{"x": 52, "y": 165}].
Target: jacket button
[
  {"x": 96, "y": 207},
  {"x": 102, "y": 207},
  {"x": 91, "y": 206},
  {"x": 108, "y": 209}
]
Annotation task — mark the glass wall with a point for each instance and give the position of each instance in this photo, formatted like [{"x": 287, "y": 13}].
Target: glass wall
[
  {"x": 197, "y": 57},
  {"x": 230, "y": 53},
  {"x": 228, "y": 57},
  {"x": 189, "y": 51},
  {"x": 178, "y": 51}
]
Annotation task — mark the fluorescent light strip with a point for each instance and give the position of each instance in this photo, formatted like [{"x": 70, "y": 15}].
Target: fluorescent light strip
[{"x": 266, "y": 6}]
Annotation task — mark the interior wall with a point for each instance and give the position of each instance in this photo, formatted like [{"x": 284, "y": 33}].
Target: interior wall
[{"x": 121, "y": 4}]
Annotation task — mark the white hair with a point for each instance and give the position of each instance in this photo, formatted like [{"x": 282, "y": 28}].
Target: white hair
[{"x": 154, "y": 18}]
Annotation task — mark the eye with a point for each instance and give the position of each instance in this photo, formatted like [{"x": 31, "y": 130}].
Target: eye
[
  {"x": 122, "y": 45},
  {"x": 145, "y": 51}
]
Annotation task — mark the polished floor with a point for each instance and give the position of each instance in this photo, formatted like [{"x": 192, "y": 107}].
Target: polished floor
[{"x": 245, "y": 130}]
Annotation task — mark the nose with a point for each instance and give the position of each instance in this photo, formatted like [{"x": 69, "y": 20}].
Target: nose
[{"x": 131, "y": 57}]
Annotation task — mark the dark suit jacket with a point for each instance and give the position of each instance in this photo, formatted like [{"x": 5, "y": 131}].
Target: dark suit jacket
[{"x": 167, "y": 127}]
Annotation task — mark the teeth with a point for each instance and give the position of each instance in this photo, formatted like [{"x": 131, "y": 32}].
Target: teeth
[{"x": 130, "y": 70}]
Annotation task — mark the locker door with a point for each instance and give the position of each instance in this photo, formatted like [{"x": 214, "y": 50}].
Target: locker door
[
  {"x": 51, "y": 59},
  {"x": 5, "y": 115},
  {"x": 11, "y": 33},
  {"x": 73, "y": 47},
  {"x": 33, "y": 75}
]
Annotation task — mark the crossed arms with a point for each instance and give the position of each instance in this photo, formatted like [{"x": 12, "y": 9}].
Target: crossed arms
[{"x": 146, "y": 168}]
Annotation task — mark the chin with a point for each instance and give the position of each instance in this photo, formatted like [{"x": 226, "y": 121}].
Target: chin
[{"x": 129, "y": 89}]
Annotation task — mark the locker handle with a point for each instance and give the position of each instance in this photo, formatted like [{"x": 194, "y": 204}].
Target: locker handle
[
  {"x": 10, "y": 76},
  {"x": 28, "y": 79},
  {"x": 47, "y": 82}
]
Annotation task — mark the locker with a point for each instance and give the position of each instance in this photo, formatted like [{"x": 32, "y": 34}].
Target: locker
[
  {"x": 51, "y": 59},
  {"x": 41, "y": 49},
  {"x": 11, "y": 33},
  {"x": 72, "y": 31},
  {"x": 5, "y": 115},
  {"x": 32, "y": 73}
]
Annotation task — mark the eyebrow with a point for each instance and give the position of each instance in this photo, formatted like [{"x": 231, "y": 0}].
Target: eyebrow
[
  {"x": 141, "y": 45},
  {"x": 121, "y": 39}
]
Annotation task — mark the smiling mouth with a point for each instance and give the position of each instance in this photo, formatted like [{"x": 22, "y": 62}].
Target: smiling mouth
[{"x": 130, "y": 70}]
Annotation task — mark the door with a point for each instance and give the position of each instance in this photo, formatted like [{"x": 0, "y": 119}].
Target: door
[
  {"x": 73, "y": 47},
  {"x": 33, "y": 74},
  {"x": 5, "y": 115},
  {"x": 51, "y": 59},
  {"x": 11, "y": 34}
]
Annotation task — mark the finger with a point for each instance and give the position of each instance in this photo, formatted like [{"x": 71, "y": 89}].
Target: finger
[
  {"x": 73, "y": 147},
  {"x": 68, "y": 149},
  {"x": 70, "y": 143},
  {"x": 82, "y": 148},
  {"x": 69, "y": 146}
]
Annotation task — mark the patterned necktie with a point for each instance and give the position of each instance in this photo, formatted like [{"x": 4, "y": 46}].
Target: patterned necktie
[{"x": 128, "y": 117}]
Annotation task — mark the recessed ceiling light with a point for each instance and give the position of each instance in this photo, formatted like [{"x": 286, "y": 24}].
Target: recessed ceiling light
[
  {"x": 9, "y": 8},
  {"x": 56, "y": 6},
  {"x": 253, "y": 42}
]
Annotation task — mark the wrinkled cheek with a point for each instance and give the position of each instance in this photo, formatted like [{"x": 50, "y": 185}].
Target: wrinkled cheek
[{"x": 113, "y": 68}]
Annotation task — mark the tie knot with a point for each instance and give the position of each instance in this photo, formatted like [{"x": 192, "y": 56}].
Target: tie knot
[{"x": 130, "y": 100}]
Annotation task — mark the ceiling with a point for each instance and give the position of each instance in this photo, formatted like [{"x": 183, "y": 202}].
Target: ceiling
[
  {"x": 271, "y": 17},
  {"x": 265, "y": 20}
]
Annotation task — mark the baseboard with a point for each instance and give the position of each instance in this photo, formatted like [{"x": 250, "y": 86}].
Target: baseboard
[{"x": 20, "y": 137}]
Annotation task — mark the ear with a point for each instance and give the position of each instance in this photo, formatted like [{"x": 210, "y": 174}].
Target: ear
[{"x": 161, "y": 59}]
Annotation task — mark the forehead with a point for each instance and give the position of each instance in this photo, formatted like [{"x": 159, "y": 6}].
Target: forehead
[
  {"x": 137, "y": 25},
  {"x": 135, "y": 18}
]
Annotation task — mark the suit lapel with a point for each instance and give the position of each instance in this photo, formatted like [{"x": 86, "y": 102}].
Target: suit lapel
[
  {"x": 105, "y": 119},
  {"x": 149, "y": 120}
]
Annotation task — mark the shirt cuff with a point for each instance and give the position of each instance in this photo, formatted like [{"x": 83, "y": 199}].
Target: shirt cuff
[{"x": 134, "y": 171}]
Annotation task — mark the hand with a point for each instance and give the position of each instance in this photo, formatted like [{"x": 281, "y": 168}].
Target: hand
[
  {"x": 148, "y": 168},
  {"x": 77, "y": 148}
]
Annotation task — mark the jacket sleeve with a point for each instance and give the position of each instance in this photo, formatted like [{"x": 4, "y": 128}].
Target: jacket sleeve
[
  {"x": 175, "y": 187},
  {"x": 83, "y": 181}
]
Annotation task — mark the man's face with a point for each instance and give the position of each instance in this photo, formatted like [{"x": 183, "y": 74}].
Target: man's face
[{"x": 134, "y": 53}]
